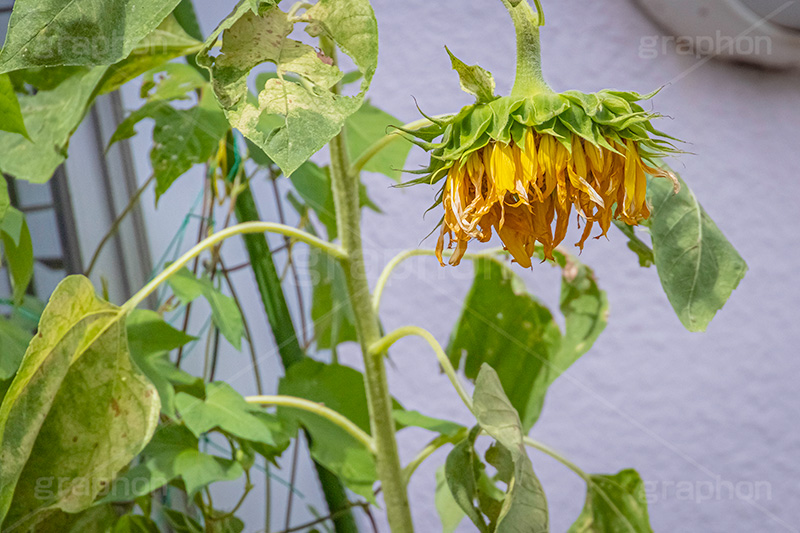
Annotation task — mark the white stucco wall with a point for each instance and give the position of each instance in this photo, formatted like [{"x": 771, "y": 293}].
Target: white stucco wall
[{"x": 686, "y": 410}]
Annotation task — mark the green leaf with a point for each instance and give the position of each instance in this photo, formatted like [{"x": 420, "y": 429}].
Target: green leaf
[
  {"x": 614, "y": 503},
  {"x": 342, "y": 389},
  {"x": 5, "y": 199},
  {"x": 181, "y": 523},
  {"x": 367, "y": 125},
  {"x": 163, "y": 44},
  {"x": 224, "y": 311},
  {"x": 450, "y": 513},
  {"x": 51, "y": 118},
  {"x": 18, "y": 251},
  {"x": 46, "y": 33},
  {"x": 9, "y": 109},
  {"x": 417, "y": 419},
  {"x": 77, "y": 411},
  {"x": 182, "y": 138},
  {"x": 222, "y": 408},
  {"x": 698, "y": 267},
  {"x": 585, "y": 310},
  {"x": 637, "y": 245},
  {"x": 525, "y": 506},
  {"x": 13, "y": 342},
  {"x": 331, "y": 309},
  {"x": 166, "y": 377},
  {"x": 461, "y": 474},
  {"x": 131, "y": 523},
  {"x": 291, "y": 121},
  {"x": 148, "y": 334},
  {"x": 474, "y": 79},
  {"x": 313, "y": 184},
  {"x": 506, "y": 327},
  {"x": 173, "y": 453},
  {"x": 172, "y": 81}
]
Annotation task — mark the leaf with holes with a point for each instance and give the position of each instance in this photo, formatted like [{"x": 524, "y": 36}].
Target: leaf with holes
[
  {"x": 296, "y": 113},
  {"x": 47, "y": 33}
]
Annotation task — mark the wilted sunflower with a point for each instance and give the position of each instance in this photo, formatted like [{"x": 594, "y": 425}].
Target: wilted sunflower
[{"x": 520, "y": 165}]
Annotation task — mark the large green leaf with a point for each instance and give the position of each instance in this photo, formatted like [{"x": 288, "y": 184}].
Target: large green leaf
[
  {"x": 77, "y": 411},
  {"x": 291, "y": 120},
  {"x": 698, "y": 267},
  {"x": 224, "y": 311},
  {"x": 505, "y": 326},
  {"x": 342, "y": 389},
  {"x": 525, "y": 505},
  {"x": 367, "y": 125},
  {"x": 46, "y": 33},
  {"x": 9, "y": 109},
  {"x": 166, "y": 42},
  {"x": 51, "y": 118},
  {"x": 18, "y": 251},
  {"x": 462, "y": 470},
  {"x": 182, "y": 138},
  {"x": 614, "y": 503}
]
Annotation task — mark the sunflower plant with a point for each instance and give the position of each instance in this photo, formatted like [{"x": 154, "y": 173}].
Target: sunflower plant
[{"x": 103, "y": 424}]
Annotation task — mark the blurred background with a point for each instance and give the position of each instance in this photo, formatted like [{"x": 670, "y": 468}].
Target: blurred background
[{"x": 709, "y": 420}]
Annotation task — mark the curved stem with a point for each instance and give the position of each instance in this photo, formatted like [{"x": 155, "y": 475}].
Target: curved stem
[
  {"x": 359, "y": 164},
  {"x": 427, "y": 451},
  {"x": 386, "y": 342},
  {"x": 239, "y": 229},
  {"x": 557, "y": 456},
  {"x": 319, "y": 410},
  {"x": 529, "y": 80},
  {"x": 408, "y": 254}
]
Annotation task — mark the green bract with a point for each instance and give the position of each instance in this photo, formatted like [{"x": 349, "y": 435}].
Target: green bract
[{"x": 601, "y": 118}]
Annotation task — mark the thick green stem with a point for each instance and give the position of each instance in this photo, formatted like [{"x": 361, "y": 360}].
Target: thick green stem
[
  {"x": 529, "y": 80},
  {"x": 348, "y": 220}
]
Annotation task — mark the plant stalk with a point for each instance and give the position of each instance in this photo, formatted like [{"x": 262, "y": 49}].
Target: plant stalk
[
  {"x": 529, "y": 80},
  {"x": 348, "y": 220}
]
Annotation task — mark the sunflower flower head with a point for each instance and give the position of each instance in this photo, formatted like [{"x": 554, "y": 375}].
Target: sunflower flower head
[{"x": 524, "y": 164}]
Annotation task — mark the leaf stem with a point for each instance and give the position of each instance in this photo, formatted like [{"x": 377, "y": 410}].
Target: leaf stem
[
  {"x": 386, "y": 140},
  {"x": 427, "y": 451},
  {"x": 319, "y": 410},
  {"x": 239, "y": 229},
  {"x": 408, "y": 254},
  {"x": 380, "y": 347},
  {"x": 557, "y": 456}
]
